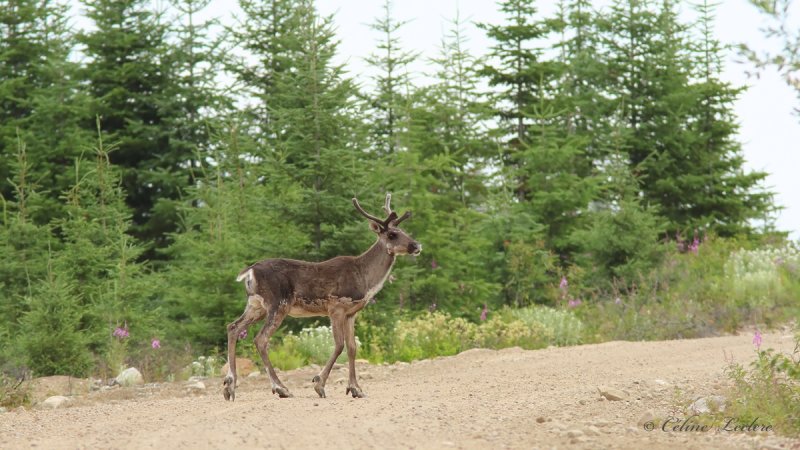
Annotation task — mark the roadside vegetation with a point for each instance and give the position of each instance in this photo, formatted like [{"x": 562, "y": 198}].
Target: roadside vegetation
[{"x": 588, "y": 187}]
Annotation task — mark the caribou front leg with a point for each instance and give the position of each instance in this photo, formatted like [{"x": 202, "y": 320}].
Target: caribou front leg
[
  {"x": 350, "y": 338},
  {"x": 274, "y": 319},
  {"x": 338, "y": 323}
]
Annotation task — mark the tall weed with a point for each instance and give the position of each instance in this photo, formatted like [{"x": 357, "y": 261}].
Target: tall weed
[{"x": 770, "y": 390}]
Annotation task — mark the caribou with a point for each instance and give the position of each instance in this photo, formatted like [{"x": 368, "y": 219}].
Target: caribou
[{"x": 338, "y": 288}]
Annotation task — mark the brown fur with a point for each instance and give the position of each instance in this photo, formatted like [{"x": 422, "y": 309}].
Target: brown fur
[{"x": 339, "y": 288}]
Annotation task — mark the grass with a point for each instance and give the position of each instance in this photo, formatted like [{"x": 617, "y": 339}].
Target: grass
[
  {"x": 13, "y": 392},
  {"x": 769, "y": 391}
]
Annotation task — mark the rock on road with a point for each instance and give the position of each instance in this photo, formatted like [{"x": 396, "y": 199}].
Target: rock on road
[{"x": 510, "y": 398}]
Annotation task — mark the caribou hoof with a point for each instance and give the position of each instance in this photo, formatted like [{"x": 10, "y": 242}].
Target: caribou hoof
[
  {"x": 355, "y": 391},
  {"x": 318, "y": 386},
  {"x": 228, "y": 390},
  {"x": 282, "y": 392}
]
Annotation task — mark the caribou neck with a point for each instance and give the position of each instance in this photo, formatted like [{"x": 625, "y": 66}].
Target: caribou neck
[{"x": 375, "y": 264}]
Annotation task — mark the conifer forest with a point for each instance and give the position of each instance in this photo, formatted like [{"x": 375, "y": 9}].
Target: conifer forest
[{"x": 581, "y": 181}]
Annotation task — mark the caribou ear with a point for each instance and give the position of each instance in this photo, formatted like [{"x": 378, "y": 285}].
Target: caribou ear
[{"x": 376, "y": 228}]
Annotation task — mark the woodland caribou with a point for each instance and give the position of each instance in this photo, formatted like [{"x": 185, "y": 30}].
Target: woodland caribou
[{"x": 339, "y": 288}]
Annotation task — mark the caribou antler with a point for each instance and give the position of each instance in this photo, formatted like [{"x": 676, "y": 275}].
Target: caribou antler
[
  {"x": 364, "y": 213},
  {"x": 405, "y": 216},
  {"x": 387, "y": 208},
  {"x": 384, "y": 224}
]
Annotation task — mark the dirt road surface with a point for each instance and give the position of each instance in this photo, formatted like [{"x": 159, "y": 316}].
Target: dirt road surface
[{"x": 479, "y": 399}]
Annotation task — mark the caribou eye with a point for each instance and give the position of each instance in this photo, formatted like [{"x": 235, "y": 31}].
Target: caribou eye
[{"x": 392, "y": 235}]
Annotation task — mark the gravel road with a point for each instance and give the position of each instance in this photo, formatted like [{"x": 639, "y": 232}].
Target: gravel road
[{"x": 483, "y": 399}]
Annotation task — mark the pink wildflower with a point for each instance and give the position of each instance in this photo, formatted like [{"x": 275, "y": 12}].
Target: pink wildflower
[
  {"x": 484, "y": 312},
  {"x": 434, "y": 265},
  {"x": 243, "y": 334},
  {"x": 121, "y": 332},
  {"x": 757, "y": 340},
  {"x": 695, "y": 245},
  {"x": 156, "y": 343},
  {"x": 563, "y": 285},
  {"x": 574, "y": 303}
]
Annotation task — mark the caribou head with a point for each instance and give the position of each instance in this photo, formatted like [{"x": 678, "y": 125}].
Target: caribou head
[{"x": 395, "y": 240}]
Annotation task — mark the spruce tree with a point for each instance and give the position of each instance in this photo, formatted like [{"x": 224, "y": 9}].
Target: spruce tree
[
  {"x": 230, "y": 219},
  {"x": 53, "y": 336},
  {"x": 724, "y": 197},
  {"x": 439, "y": 174},
  {"x": 100, "y": 259},
  {"x": 40, "y": 99},
  {"x": 194, "y": 61},
  {"x": 24, "y": 245},
  {"x": 317, "y": 137},
  {"x": 545, "y": 160},
  {"x": 680, "y": 140},
  {"x": 129, "y": 84},
  {"x": 582, "y": 87},
  {"x": 389, "y": 103},
  {"x": 265, "y": 33}
]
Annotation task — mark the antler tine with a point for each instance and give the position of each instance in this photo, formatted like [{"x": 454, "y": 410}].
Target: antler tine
[
  {"x": 386, "y": 206},
  {"x": 405, "y": 216},
  {"x": 366, "y": 214}
]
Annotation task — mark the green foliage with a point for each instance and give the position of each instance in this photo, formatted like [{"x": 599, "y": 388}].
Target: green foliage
[
  {"x": 229, "y": 220},
  {"x": 206, "y": 366},
  {"x": 528, "y": 263},
  {"x": 130, "y": 88},
  {"x": 498, "y": 333},
  {"x": 759, "y": 277},
  {"x": 53, "y": 337},
  {"x": 431, "y": 335},
  {"x": 688, "y": 295},
  {"x": 769, "y": 391},
  {"x": 440, "y": 334},
  {"x": 600, "y": 131},
  {"x": 40, "y": 101},
  {"x": 560, "y": 327},
  {"x": 312, "y": 345},
  {"x": 620, "y": 244},
  {"x": 316, "y": 344}
]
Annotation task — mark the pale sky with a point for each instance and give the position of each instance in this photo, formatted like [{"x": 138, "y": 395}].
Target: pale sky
[{"x": 769, "y": 130}]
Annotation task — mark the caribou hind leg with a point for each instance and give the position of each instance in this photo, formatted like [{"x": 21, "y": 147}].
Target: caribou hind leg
[{"x": 253, "y": 312}]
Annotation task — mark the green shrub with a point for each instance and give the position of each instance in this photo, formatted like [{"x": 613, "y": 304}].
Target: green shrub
[
  {"x": 769, "y": 391},
  {"x": 285, "y": 356},
  {"x": 431, "y": 335},
  {"x": 439, "y": 334},
  {"x": 562, "y": 326},
  {"x": 53, "y": 337},
  {"x": 498, "y": 333},
  {"x": 619, "y": 244},
  {"x": 309, "y": 346},
  {"x": 755, "y": 275},
  {"x": 206, "y": 366},
  {"x": 695, "y": 294}
]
